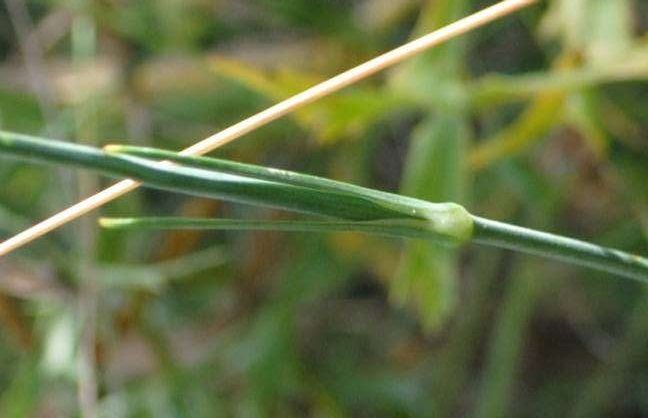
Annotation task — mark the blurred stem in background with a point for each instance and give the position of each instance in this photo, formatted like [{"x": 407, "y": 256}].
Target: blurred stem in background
[
  {"x": 525, "y": 284},
  {"x": 534, "y": 123},
  {"x": 33, "y": 56},
  {"x": 12, "y": 313},
  {"x": 451, "y": 368},
  {"x": 612, "y": 379},
  {"x": 84, "y": 50},
  {"x": 508, "y": 342},
  {"x": 428, "y": 277}
]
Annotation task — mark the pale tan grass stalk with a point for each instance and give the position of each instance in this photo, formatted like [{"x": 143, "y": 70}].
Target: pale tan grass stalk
[{"x": 272, "y": 113}]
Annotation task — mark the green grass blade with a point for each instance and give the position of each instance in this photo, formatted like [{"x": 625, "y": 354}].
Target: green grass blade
[
  {"x": 395, "y": 202},
  {"x": 487, "y": 232},
  {"x": 399, "y": 206},
  {"x": 445, "y": 221},
  {"x": 448, "y": 220},
  {"x": 394, "y": 228},
  {"x": 569, "y": 250},
  {"x": 256, "y": 192},
  {"x": 198, "y": 181}
]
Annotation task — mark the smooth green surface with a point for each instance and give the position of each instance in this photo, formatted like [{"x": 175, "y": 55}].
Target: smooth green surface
[
  {"x": 393, "y": 228},
  {"x": 569, "y": 250},
  {"x": 447, "y": 222}
]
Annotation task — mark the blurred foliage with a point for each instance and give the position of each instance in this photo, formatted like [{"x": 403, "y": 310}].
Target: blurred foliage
[
  {"x": 538, "y": 119},
  {"x": 435, "y": 166}
]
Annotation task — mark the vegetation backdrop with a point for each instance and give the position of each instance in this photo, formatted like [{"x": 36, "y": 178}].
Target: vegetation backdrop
[{"x": 539, "y": 119}]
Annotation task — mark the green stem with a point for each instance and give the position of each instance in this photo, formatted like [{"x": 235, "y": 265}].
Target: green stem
[
  {"x": 245, "y": 183},
  {"x": 485, "y": 231},
  {"x": 446, "y": 222},
  {"x": 248, "y": 170},
  {"x": 214, "y": 184},
  {"x": 393, "y": 228},
  {"x": 569, "y": 250}
]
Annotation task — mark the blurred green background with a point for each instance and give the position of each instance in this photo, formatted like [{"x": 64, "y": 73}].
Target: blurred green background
[{"x": 540, "y": 119}]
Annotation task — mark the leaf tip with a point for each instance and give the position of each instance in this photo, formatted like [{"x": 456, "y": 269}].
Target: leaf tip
[
  {"x": 113, "y": 148},
  {"x": 114, "y": 223}
]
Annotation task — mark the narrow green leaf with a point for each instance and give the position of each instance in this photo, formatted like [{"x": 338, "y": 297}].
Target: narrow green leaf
[
  {"x": 248, "y": 170},
  {"x": 497, "y": 89},
  {"x": 209, "y": 183},
  {"x": 153, "y": 277},
  {"x": 325, "y": 197},
  {"x": 346, "y": 114},
  {"x": 533, "y": 124},
  {"x": 395, "y": 227},
  {"x": 445, "y": 221}
]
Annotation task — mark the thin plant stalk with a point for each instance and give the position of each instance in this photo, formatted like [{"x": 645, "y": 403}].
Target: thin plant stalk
[
  {"x": 390, "y": 228},
  {"x": 486, "y": 232},
  {"x": 86, "y": 115},
  {"x": 258, "y": 172},
  {"x": 277, "y": 111},
  {"x": 568, "y": 250},
  {"x": 449, "y": 222}
]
